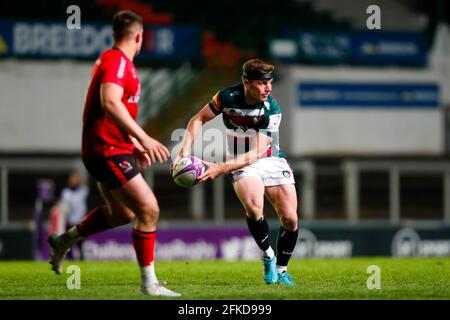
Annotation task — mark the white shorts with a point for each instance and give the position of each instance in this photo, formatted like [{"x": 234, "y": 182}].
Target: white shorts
[{"x": 273, "y": 171}]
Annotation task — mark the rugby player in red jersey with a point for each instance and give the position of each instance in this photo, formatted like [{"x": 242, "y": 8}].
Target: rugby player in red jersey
[{"x": 112, "y": 142}]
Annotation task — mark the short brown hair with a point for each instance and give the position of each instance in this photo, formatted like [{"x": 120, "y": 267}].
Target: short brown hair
[
  {"x": 255, "y": 67},
  {"x": 123, "y": 24}
]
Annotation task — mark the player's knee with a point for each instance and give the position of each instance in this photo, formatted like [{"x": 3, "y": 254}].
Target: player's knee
[
  {"x": 254, "y": 209},
  {"x": 150, "y": 211},
  {"x": 289, "y": 222}
]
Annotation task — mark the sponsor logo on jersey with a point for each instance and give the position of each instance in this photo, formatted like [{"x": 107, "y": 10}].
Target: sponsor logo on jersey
[
  {"x": 121, "y": 70},
  {"x": 244, "y": 120},
  {"x": 235, "y": 110},
  {"x": 133, "y": 99},
  {"x": 133, "y": 73}
]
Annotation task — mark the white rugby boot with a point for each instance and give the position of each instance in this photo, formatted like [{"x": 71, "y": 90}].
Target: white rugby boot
[
  {"x": 156, "y": 289},
  {"x": 60, "y": 245}
]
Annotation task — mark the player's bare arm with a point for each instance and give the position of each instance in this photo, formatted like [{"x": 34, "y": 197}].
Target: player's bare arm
[
  {"x": 260, "y": 144},
  {"x": 110, "y": 95},
  {"x": 193, "y": 128}
]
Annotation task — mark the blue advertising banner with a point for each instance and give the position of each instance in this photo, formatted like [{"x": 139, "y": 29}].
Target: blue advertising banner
[
  {"x": 357, "y": 47},
  {"x": 335, "y": 47},
  {"x": 171, "y": 43},
  {"x": 54, "y": 40},
  {"x": 400, "y": 48},
  {"x": 368, "y": 95}
]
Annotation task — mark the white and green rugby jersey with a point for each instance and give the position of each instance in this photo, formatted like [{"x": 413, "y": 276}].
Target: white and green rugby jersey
[{"x": 242, "y": 121}]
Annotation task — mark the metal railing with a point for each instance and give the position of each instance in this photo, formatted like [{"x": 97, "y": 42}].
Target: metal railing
[
  {"x": 159, "y": 87},
  {"x": 353, "y": 168}
]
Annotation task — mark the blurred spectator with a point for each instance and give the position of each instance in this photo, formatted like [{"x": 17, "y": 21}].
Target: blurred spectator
[
  {"x": 57, "y": 218},
  {"x": 73, "y": 199}
]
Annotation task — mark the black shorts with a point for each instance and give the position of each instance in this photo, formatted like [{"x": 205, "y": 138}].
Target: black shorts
[{"x": 114, "y": 171}]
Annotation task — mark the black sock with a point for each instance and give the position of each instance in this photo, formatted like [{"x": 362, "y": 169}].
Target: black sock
[
  {"x": 285, "y": 245},
  {"x": 260, "y": 232}
]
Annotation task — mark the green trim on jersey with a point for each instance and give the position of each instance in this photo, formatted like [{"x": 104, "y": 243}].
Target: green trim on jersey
[{"x": 239, "y": 117}]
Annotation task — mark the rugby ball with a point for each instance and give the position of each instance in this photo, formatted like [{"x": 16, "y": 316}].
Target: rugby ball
[{"x": 187, "y": 170}]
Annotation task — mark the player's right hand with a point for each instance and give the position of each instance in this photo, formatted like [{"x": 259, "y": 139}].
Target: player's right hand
[{"x": 156, "y": 150}]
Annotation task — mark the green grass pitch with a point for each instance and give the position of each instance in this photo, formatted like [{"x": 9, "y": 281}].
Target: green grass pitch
[{"x": 406, "y": 278}]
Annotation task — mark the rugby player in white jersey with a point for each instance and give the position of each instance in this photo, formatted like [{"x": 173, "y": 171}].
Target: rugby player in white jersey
[{"x": 255, "y": 163}]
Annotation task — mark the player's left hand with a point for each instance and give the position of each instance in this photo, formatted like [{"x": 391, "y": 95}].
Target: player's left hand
[
  {"x": 175, "y": 161},
  {"x": 213, "y": 171}
]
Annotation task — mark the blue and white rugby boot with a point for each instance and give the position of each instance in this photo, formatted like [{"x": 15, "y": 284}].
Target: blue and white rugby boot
[
  {"x": 270, "y": 270},
  {"x": 286, "y": 279}
]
